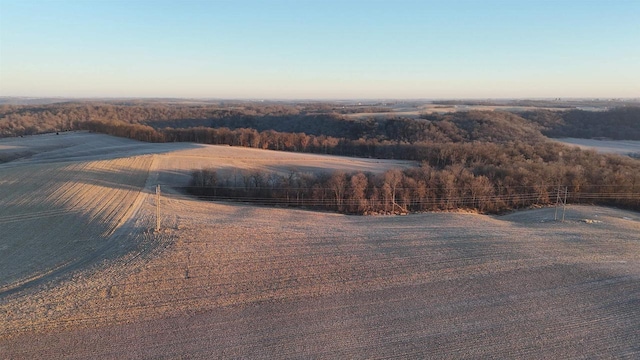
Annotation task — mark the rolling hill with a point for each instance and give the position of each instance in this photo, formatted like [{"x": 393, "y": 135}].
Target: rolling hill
[{"x": 84, "y": 275}]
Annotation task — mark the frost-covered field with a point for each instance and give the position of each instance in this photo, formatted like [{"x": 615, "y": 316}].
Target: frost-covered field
[
  {"x": 622, "y": 147},
  {"x": 83, "y": 276}
]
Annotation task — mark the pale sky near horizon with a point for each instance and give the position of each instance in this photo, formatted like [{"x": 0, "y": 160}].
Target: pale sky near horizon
[{"x": 277, "y": 49}]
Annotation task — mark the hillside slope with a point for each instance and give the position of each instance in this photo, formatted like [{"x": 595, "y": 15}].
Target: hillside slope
[{"x": 226, "y": 280}]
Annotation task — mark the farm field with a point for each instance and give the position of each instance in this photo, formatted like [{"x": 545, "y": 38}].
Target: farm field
[
  {"x": 82, "y": 274},
  {"x": 622, "y": 147},
  {"x": 414, "y": 111}
]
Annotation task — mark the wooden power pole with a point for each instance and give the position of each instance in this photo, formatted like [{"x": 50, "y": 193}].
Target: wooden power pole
[
  {"x": 564, "y": 203},
  {"x": 555, "y": 218},
  {"x": 158, "y": 207}
]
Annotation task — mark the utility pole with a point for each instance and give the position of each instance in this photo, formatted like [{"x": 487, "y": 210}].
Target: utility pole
[
  {"x": 555, "y": 218},
  {"x": 158, "y": 207},
  {"x": 564, "y": 203}
]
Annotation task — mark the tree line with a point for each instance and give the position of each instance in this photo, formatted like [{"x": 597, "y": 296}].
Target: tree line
[
  {"x": 396, "y": 191},
  {"x": 327, "y": 119},
  {"x": 311, "y": 117},
  {"x": 621, "y": 123},
  {"x": 506, "y": 151},
  {"x": 519, "y": 173}
]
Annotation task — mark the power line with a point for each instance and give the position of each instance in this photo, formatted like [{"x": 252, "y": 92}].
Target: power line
[{"x": 562, "y": 197}]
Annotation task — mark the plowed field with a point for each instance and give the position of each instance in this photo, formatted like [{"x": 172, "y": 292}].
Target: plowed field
[{"x": 82, "y": 274}]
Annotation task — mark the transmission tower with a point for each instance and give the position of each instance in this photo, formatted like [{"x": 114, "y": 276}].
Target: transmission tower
[{"x": 560, "y": 200}]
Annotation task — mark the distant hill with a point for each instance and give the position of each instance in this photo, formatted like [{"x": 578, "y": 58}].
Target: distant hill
[{"x": 616, "y": 124}]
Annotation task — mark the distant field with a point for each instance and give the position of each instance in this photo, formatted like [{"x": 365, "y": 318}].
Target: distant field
[
  {"x": 83, "y": 275},
  {"x": 416, "y": 111},
  {"x": 622, "y": 147}
]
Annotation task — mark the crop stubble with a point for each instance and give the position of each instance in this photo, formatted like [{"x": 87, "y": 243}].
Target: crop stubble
[{"x": 233, "y": 281}]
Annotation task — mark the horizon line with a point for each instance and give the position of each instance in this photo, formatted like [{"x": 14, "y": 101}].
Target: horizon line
[{"x": 536, "y": 98}]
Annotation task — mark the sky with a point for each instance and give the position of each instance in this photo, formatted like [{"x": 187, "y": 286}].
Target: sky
[{"x": 324, "y": 49}]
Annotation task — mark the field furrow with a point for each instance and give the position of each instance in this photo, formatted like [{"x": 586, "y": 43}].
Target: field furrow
[
  {"x": 62, "y": 213},
  {"x": 83, "y": 274}
]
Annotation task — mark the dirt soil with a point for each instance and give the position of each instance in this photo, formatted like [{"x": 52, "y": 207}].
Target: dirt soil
[{"x": 84, "y": 275}]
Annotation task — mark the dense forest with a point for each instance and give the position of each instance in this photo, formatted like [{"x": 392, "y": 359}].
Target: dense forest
[
  {"x": 488, "y": 189},
  {"x": 311, "y": 118},
  {"x": 326, "y": 119},
  {"x": 490, "y": 161},
  {"x": 617, "y": 124}
]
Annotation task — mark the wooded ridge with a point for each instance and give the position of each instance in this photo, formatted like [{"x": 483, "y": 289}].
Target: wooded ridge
[{"x": 489, "y": 161}]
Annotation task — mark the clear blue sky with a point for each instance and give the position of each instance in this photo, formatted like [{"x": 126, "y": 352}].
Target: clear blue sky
[{"x": 320, "y": 49}]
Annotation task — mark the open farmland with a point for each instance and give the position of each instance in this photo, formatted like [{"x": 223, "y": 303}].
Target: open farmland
[
  {"x": 621, "y": 147},
  {"x": 415, "y": 110},
  {"x": 82, "y": 276}
]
